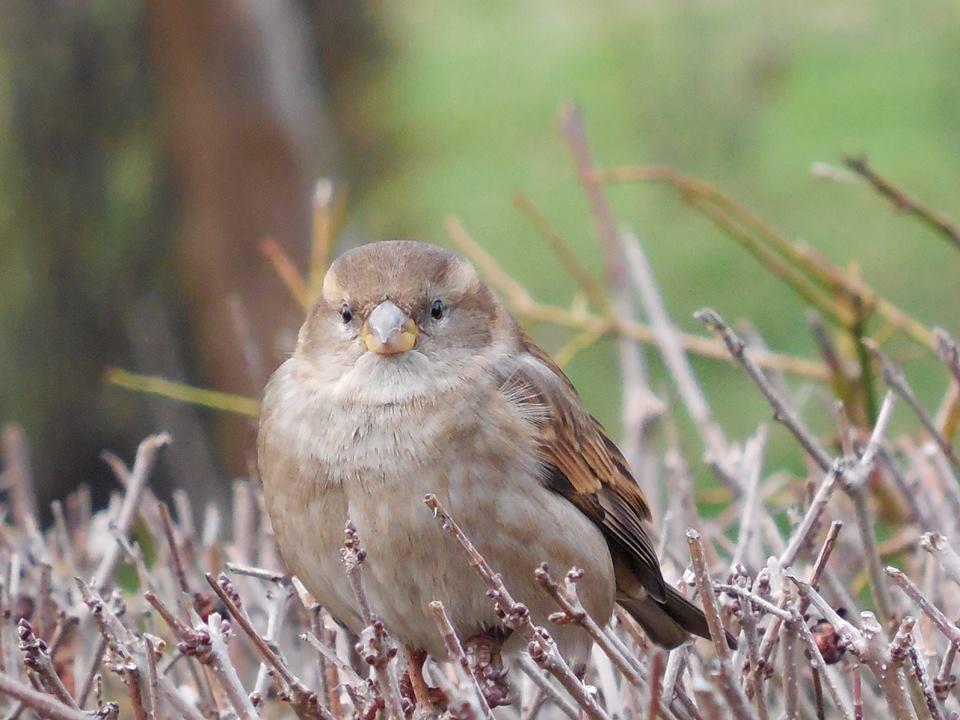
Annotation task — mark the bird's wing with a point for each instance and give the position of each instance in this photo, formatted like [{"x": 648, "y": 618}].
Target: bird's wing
[{"x": 583, "y": 464}]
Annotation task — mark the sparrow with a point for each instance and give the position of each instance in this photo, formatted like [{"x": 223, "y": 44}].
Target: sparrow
[{"x": 410, "y": 377}]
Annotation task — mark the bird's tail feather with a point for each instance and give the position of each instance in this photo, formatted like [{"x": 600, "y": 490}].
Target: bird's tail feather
[{"x": 671, "y": 622}]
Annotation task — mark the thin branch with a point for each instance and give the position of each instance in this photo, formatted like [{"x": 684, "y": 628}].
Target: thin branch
[
  {"x": 771, "y": 247},
  {"x": 45, "y": 705},
  {"x": 813, "y": 512},
  {"x": 18, "y": 476},
  {"x": 287, "y": 271},
  {"x": 869, "y": 645},
  {"x": 516, "y": 616},
  {"x": 526, "y": 308},
  {"x": 939, "y": 546},
  {"x": 571, "y": 263},
  {"x": 572, "y": 611},
  {"x": 718, "y": 634},
  {"x": 139, "y": 477},
  {"x": 897, "y": 381},
  {"x": 668, "y": 342},
  {"x": 535, "y": 673},
  {"x": 949, "y": 629},
  {"x": 457, "y": 656},
  {"x": 819, "y": 664},
  {"x": 923, "y": 680},
  {"x": 304, "y": 702},
  {"x": 781, "y": 411},
  {"x": 181, "y": 392},
  {"x": 37, "y": 659},
  {"x": 378, "y": 649},
  {"x": 905, "y": 202}
]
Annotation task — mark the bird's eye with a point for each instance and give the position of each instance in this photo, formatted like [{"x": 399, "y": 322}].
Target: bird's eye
[
  {"x": 346, "y": 314},
  {"x": 437, "y": 309}
]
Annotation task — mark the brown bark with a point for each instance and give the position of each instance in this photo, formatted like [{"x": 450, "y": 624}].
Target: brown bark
[{"x": 247, "y": 135}]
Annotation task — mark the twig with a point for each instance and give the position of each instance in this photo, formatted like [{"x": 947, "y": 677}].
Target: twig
[
  {"x": 139, "y": 477},
  {"x": 525, "y": 307},
  {"x": 790, "y": 671},
  {"x": 329, "y": 654},
  {"x": 751, "y": 468},
  {"x": 457, "y": 656},
  {"x": 949, "y": 630},
  {"x": 753, "y": 669},
  {"x": 15, "y": 455},
  {"x": 923, "y": 680},
  {"x": 868, "y": 644},
  {"x": 949, "y": 352},
  {"x": 765, "y": 605},
  {"x": 272, "y": 576},
  {"x": 37, "y": 659},
  {"x": 91, "y": 673},
  {"x": 781, "y": 411},
  {"x": 857, "y": 693},
  {"x": 770, "y": 247},
  {"x": 939, "y": 546},
  {"x": 164, "y": 512},
  {"x": 516, "y": 616},
  {"x": 535, "y": 673},
  {"x": 770, "y": 636},
  {"x": 668, "y": 342},
  {"x": 304, "y": 702},
  {"x": 897, "y": 381},
  {"x": 945, "y": 680},
  {"x": 207, "y": 643},
  {"x": 287, "y": 271},
  {"x": 734, "y": 693},
  {"x": 707, "y": 595},
  {"x": 378, "y": 649},
  {"x": 856, "y": 486},
  {"x": 572, "y": 611},
  {"x": 274, "y": 620},
  {"x": 902, "y": 200},
  {"x": 819, "y": 664},
  {"x": 46, "y": 705},
  {"x": 948, "y": 417},
  {"x": 153, "y": 682},
  {"x": 181, "y": 392},
  {"x": 571, "y": 263},
  {"x": 640, "y": 407}
]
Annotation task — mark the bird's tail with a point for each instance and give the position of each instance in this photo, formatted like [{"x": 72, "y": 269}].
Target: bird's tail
[{"x": 671, "y": 622}]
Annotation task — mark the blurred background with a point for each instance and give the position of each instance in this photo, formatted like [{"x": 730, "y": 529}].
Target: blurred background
[{"x": 147, "y": 148}]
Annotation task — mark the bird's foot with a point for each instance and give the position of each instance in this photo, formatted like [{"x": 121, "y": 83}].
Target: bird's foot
[
  {"x": 483, "y": 652},
  {"x": 433, "y": 698},
  {"x": 413, "y": 687}
]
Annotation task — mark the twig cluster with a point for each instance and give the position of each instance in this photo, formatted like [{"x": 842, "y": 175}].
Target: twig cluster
[{"x": 134, "y": 610}]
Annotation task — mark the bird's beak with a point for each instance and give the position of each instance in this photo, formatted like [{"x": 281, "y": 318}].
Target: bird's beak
[{"x": 388, "y": 330}]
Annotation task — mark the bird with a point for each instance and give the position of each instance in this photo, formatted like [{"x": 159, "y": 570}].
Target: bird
[{"x": 410, "y": 377}]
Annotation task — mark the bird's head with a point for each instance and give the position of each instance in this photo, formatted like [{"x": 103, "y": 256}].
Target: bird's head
[{"x": 400, "y": 312}]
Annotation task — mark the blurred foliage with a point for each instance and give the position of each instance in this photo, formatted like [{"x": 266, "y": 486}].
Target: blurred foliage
[
  {"x": 83, "y": 217},
  {"x": 454, "y": 109},
  {"x": 744, "y": 94}
]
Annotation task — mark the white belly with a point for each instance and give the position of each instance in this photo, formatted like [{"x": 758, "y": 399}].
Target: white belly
[{"x": 378, "y": 464}]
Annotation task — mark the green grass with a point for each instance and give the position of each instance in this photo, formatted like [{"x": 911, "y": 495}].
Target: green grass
[{"x": 746, "y": 94}]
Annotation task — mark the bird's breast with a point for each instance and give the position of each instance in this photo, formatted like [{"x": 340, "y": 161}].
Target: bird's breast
[{"x": 477, "y": 452}]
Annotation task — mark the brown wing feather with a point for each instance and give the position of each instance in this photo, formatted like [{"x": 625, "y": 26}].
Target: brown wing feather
[{"x": 584, "y": 465}]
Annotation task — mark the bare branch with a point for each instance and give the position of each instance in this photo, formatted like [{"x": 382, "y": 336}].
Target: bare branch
[
  {"x": 139, "y": 476},
  {"x": 903, "y": 201},
  {"x": 45, "y": 705},
  {"x": 781, "y": 411},
  {"x": 517, "y": 617}
]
